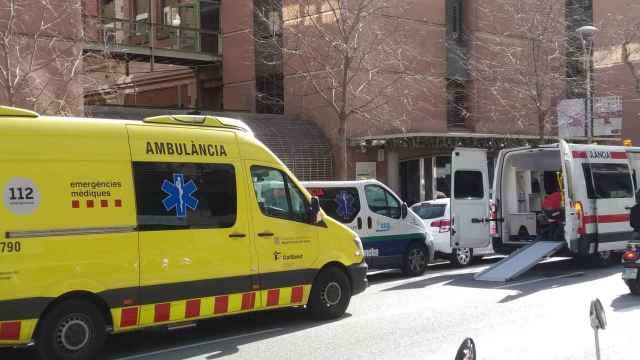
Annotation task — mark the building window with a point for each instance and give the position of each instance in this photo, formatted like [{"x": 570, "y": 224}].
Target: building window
[
  {"x": 578, "y": 13},
  {"x": 268, "y": 18},
  {"x": 454, "y": 19},
  {"x": 184, "y": 195},
  {"x": 443, "y": 176},
  {"x": 456, "y": 104},
  {"x": 270, "y": 94},
  {"x": 108, "y": 9}
]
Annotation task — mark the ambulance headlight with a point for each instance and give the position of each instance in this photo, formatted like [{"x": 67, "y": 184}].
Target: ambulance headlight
[{"x": 360, "y": 249}]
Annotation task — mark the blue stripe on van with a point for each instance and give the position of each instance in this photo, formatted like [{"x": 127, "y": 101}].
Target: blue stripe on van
[{"x": 390, "y": 245}]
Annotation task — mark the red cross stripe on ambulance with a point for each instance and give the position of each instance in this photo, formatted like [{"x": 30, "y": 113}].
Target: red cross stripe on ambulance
[
  {"x": 92, "y": 204},
  {"x": 154, "y": 314}
]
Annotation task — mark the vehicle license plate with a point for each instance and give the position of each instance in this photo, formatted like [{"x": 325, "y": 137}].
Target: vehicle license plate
[{"x": 629, "y": 273}]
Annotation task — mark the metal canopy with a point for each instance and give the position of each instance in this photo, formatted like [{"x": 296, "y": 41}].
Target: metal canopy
[{"x": 301, "y": 145}]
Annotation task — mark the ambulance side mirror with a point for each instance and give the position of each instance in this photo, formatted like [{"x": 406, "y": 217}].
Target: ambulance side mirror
[
  {"x": 405, "y": 210},
  {"x": 314, "y": 210}
]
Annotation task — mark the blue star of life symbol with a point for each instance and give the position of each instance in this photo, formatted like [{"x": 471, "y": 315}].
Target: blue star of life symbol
[
  {"x": 345, "y": 204},
  {"x": 180, "y": 195}
]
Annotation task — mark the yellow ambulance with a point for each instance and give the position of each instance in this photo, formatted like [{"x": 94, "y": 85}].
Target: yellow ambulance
[{"x": 110, "y": 226}]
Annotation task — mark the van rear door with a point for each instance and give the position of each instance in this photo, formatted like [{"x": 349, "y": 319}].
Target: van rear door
[
  {"x": 469, "y": 198},
  {"x": 572, "y": 216}
]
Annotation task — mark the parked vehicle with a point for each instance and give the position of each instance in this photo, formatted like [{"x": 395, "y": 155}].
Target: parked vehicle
[
  {"x": 393, "y": 236},
  {"x": 111, "y": 226},
  {"x": 631, "y": 264},
  {"x": 436, "y": 216},
  {"x": 595, "y": 184}
]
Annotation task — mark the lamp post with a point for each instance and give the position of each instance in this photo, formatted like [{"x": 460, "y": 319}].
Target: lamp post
[{"x": 586, "y": 36}]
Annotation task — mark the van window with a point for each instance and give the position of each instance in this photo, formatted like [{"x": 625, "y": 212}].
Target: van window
[
  {"x": 429, "y": 211},
  {"x": 468, "y": 185},
  {"x": 184, "y": 195},
  {"x": 611, "y": 181},
  {"x": 382, "y": 202},
  {"x": 341, "y": 203},
  {"x": 278, "y": 196}
]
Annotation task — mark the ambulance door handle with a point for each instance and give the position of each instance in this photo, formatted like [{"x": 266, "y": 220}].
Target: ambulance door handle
[
  {"x": 237, "y": 235},
  {"x": 369, "y": 222},
  {"x": 265, "y": 234},
  {"x": 359, "y": 223}
]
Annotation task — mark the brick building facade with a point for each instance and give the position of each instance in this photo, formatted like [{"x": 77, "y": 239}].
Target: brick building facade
[{"x": 471, "y": 66}]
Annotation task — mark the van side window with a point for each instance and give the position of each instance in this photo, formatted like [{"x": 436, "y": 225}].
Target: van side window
[
  {"x": 277, "y": 195},
  {"x": 341, "y": 203},
  {"x": 468, "y": 185},
  {"x": 173, "y": 196},
  {"x": 382, "y": 202},
  {"x": 611, "y": 181}
]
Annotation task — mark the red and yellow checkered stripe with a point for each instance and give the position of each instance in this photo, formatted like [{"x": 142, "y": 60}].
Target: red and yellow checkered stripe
[
  {"x": 133, "y": 317},
  {"x": 17, "y": 331}
]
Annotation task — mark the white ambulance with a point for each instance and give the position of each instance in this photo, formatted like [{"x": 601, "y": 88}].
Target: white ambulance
[
  {"x": 596, "y": 184},
  {"x": 393, "y": 235}
]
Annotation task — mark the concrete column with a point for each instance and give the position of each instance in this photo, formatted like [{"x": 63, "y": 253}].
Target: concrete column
[{"x": 393, "y": 170}]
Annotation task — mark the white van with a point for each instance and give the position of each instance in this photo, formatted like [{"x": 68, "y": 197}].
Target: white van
[
  {"x": 436, "y": 216},
  {"x": 393, "y": 236},
  {"x": 596, "y": 182}
]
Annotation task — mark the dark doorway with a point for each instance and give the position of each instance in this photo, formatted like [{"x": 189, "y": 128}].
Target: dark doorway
[{"x": 410, "y": 181}]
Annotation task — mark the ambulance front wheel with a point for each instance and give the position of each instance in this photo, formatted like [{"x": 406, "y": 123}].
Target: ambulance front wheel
[
  {"x": 72, "y": 330},
  {"x": 416, "y": 260},
  {"x": 330, "y": 294}
]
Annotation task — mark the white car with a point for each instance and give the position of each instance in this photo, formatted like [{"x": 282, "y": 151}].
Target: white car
[{"x": 436, "y": 217}]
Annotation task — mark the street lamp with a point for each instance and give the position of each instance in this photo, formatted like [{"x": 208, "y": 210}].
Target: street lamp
[{"x": 586, "y": 36}]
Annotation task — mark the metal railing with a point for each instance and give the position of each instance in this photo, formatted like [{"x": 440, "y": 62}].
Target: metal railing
[{"x": 123, "y": 33}]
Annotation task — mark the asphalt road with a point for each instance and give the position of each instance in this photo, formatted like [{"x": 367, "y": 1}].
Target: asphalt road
[{"x": 542, "y": 315}]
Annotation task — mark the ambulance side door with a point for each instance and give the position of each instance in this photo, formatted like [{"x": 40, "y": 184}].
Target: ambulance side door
[
  {"x": 286, "y": 241},
  {"x": 386, "y": 232},
  {"x": 469, "y": 198},
  {"x": 193, "y": 227}
]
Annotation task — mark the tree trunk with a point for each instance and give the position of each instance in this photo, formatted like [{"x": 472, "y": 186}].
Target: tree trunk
[
  {"x": 541, "y": 121},
  {"x": 342, "y": 158}
]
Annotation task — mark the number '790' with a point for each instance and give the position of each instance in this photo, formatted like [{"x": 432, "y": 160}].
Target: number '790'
[{"x": 10, "y": 246}]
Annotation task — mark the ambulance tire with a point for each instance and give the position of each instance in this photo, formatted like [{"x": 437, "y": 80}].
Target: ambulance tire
[
  {"x": 634, "y": 286},
  {"x": 416, "y": 260},
  {"x": 330, "y": 294},
  {"x": 602, "y": 259},
  {"x": 72, "y": 330}
]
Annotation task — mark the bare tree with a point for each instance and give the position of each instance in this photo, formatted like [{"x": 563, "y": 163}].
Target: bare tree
[
  {"x": 41, "y": 54},
  {"x": 625, "y": 30},
  {"x": 348, "y": 57},
  {"x": 517, "y": 60}
]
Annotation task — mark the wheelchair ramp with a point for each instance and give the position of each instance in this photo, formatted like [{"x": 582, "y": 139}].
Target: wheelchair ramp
[{"x": 519, "y": 261}]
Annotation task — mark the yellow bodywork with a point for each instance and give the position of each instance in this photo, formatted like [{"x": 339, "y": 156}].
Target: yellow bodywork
[{"x": 69, "y": 213}]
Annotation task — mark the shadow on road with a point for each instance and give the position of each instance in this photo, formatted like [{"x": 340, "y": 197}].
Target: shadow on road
[
  {"x": 626, "y": 302},
  {"x": 547, "y": 275},
  {"x": 384, "y": 276},
  {"x": 211, "y": 339}
]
